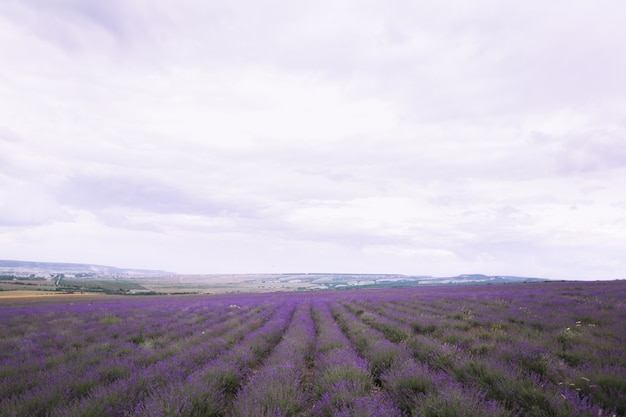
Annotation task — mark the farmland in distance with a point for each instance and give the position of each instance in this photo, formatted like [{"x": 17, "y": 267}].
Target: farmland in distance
[{"x": 534, "y": 349}]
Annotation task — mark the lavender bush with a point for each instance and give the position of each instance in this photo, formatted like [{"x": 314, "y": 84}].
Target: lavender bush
[{"x": 545, "y": 349}]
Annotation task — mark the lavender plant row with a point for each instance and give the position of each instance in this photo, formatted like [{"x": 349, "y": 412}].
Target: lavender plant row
[{"x": 545, "y": 349}]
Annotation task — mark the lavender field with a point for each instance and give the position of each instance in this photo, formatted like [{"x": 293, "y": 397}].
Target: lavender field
[{"x": 544, "y": 349}]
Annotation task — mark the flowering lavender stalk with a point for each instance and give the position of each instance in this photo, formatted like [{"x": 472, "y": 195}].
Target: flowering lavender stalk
[
  {"x": 277, "y": 388},
  {"x": 553, "y": 349}
]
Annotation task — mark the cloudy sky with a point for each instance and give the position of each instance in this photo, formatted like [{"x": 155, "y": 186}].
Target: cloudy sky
[{"x": 395, "y": 136}]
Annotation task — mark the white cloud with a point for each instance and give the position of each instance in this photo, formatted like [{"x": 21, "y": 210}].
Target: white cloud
[
  {"x": 22, "y": 205},
  {"x": 371, "y": 137}
]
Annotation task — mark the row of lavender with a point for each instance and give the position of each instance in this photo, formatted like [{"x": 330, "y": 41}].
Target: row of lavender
[
  {"x": 104, "y": 358},
  {"x": 553, "y": 349},
  {"x": 557, "y": 350}
]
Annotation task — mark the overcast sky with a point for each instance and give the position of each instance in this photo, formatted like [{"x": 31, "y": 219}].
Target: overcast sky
[{"x": 414, "y": 137}]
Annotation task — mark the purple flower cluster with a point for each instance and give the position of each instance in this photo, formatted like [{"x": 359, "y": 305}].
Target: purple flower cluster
[
  {"x": 546, "y": 349},
  {"x": 278, "y": 386},
  {"x": 344, "y": 382}
]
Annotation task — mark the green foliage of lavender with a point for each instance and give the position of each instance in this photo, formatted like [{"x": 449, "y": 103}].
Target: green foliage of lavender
[{"x": 541, "y": 349}]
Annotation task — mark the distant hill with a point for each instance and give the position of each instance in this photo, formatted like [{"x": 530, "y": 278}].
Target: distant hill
[
  {"x": 346, "y": 280},
  {"x": 169, "y": 281},
  {"x": 22, "y": 267},
  {"x": 481, "y": 279}
]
